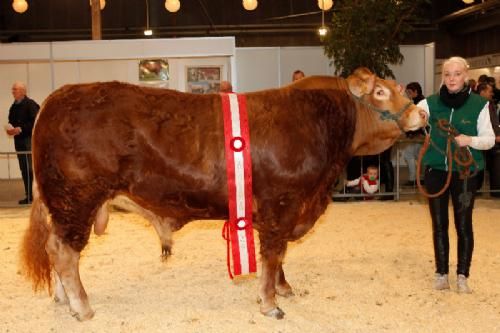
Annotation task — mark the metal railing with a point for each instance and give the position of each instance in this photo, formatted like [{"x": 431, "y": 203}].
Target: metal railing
[
  {"x": 12, "y": 185},
  {"x": 400, "y": 191}
]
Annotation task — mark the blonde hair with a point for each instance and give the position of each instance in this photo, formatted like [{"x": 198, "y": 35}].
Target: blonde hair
[{"x": 455, "y": 60}]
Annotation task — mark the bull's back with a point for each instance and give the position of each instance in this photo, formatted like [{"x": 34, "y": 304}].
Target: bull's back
[
  {"x": 166, "y": 149},
  {"x": 154, "y": 144}
]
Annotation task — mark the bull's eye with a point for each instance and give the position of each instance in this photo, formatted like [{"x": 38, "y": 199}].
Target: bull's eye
[{"x": 381, "y": 93}]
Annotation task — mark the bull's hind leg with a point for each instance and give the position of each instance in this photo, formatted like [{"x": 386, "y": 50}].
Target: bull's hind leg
[
  {"x": 162, "y": 225},
  {"x": 272, "y": 253},
  {"x": 60, "y": 296},
  {"x": 282, "y": 286},
  {"x": 65, "y": 261},
  {"x": 164, "y": 230}
]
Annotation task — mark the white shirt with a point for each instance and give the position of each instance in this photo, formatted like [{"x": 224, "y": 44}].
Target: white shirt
[{"x": 485, "y": 138}]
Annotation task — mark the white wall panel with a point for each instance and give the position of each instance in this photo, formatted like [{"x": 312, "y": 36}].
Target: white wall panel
[
  {"x": 107, "y": 70},
  {"x": 257, "y": 68},
  {"x": 24, "y": 51},
  {"x": 412, "y": 68},
  {"x": 38, "y": 88},
  {"x": 189, "y": 47},
  {"x": 143, "y": 48},
  {"x": 98, "y": 49},
  {"x": 310, "y": 60},
  {"x": 430, "y": 55},
  {"x": 9, "y": 166},
  {"x": 66, "y": 72}
]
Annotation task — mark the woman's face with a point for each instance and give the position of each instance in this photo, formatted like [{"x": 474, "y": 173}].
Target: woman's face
[{"x": 454, "y": 76}]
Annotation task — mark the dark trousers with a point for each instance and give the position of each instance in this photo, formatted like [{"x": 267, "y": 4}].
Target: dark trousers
[
  {"x": 462, "y": 211},
  {"x": 25, "y": 164}
]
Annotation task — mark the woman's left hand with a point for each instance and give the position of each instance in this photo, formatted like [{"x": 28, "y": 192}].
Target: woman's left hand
[{"x": 463, "y": 140}]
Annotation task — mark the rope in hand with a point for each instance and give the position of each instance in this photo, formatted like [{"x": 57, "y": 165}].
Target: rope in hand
[{"x": 462, "y": 157}]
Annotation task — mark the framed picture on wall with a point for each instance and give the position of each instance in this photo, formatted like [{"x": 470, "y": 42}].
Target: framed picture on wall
[
  {"x": 154, "y": 72},
  {"x": 203, "y": 79}
]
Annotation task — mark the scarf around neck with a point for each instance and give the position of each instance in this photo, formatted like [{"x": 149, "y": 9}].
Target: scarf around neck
[{"x": 454, "y": 100}]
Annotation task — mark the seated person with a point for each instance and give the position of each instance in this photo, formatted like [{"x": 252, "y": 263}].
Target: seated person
[{"x": 368, "y": 182}]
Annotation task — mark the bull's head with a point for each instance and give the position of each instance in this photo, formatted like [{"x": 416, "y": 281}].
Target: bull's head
[{"x": 385, "y": 97}]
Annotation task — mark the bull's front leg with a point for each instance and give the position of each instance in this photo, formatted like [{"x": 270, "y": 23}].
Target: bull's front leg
[
  {"x": 65, "y": 261},
  {"x": 272, "y": 253}
]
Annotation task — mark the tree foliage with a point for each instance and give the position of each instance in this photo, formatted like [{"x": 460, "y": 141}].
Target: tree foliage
[{"x": 368, "y": 33}]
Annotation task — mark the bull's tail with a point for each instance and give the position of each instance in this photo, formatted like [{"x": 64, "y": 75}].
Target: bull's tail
[{"x": 34, "y": 258}]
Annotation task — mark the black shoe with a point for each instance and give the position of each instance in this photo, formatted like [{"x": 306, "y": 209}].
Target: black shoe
[
  {"x": 25, "y": 201},
  {"x": 410, "y": 183}
]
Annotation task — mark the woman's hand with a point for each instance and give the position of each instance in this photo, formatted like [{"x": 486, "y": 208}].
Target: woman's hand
[{"x": 463, "y": 140}]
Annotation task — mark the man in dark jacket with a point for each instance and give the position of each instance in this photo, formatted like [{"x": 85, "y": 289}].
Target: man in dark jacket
[{"x": 22, "y": 114}]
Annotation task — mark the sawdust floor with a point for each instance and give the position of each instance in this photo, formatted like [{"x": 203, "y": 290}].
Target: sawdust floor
[{"x": 365, "y": 267}]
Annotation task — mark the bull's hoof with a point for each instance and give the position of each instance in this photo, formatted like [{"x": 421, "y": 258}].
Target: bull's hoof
[
  {"x": 82, "y": 316},
  {"x": 166, "y": 251},
  {"x": 275, "y": 313}
]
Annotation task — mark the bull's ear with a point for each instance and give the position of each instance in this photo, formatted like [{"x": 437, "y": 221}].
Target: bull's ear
[{"x": 360, "y": 85}]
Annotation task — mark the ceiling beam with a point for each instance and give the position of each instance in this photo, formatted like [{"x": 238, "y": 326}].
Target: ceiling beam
[{"x": 479, "y": 8}]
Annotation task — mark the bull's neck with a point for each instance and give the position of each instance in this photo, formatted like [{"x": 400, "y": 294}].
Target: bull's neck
[{"x": 373, "y": 135}]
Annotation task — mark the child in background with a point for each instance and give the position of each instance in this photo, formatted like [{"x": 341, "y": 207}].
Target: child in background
[{"x": 368, "y": 182}]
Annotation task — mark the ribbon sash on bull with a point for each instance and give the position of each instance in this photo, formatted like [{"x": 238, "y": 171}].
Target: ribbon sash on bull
[{"x": 238, "y": 231}]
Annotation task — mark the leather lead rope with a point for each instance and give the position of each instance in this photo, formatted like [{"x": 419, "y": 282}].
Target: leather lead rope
[{"x": 462, "y": 157}]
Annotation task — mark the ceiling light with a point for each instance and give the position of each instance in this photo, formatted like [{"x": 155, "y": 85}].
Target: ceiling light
[
  {"x": 323, "y": 30},
  {"x": 147, "y": 31},
  {"x": 325, "y": 4},
  {"x": 20, "y": 6},
  {"x": 172, "y": 5},
  {"x": 250, "y": 4},
  {"x": 468, "y": 1}
]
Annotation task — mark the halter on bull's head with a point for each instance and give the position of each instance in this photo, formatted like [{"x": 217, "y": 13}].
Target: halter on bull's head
[{"x": 385, "y": 97}]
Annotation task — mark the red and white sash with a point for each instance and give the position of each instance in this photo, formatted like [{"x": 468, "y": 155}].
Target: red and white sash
[{"x": 238, "y": 231}]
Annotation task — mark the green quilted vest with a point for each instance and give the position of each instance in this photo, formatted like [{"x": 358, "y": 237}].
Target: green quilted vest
[{"x": 463, "y": 119}]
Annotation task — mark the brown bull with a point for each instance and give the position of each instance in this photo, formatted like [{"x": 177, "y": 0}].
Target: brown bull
[{"x": 164, "y": 150}]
